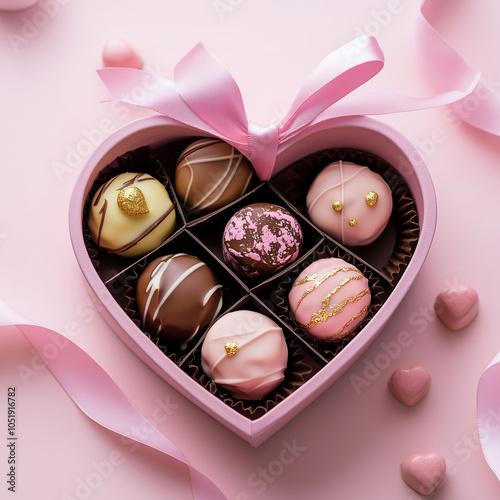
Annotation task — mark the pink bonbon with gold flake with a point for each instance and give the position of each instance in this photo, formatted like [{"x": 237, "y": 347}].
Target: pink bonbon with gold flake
[{"x": 349, "y": 202}]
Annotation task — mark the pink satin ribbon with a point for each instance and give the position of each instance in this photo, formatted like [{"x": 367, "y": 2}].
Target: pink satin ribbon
[
  {"x": 446, "y": 70},
  {"x": 204, "y": 96},
  {"x": 444, "y": 67},
  {"x": 98, "y": 396},
  {"x": 488, "y": 414}
]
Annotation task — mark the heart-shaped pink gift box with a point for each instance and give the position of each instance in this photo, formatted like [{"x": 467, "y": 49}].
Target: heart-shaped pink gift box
[{"x": 357, "y": 133}]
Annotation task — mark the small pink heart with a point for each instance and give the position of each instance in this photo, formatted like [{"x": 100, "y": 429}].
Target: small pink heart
[
  {"x": 457, "y": 307},
  {"x": 423, "y": 473},
  {"x": 119, "y": 53},
  {"x": 410, "y": 385}
]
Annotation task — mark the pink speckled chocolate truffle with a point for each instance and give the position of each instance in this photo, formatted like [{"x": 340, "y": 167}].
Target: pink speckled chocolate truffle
[
  {"x": 350, "y": 203},
  {"x": 260, "y": 239},
  {"x": 245, "y": 353},
  {"x": 330, "y": 298}
]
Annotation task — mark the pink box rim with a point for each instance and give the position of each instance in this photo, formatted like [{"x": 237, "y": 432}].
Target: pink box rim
[{"x": 148, "y": 131}]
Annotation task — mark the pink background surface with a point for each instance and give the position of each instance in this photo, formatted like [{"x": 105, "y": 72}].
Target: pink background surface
[{"x": 350, "y": 441}]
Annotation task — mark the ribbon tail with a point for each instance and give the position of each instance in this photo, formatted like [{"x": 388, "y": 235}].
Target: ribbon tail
[
  {"x": 445, "y": 69},
  {"x": 98, "y": 396},
  {"x": 387, "y": 102},
  {"x": 488, "y": 413}
]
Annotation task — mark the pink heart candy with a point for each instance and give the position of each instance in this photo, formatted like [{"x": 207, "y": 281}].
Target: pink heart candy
[
  {"x": 423, "y": 473},
  {"x": 457, "y": 307},
  {"x": 410, "y": 385},
  {"x": 119, "y": 53}
]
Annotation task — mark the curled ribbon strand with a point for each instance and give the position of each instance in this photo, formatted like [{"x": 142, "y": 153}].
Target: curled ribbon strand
[
  {"x": 488, "y": 414},
  {"x": 204, "y": 96},
  {"x": 446, "y": 69},
  {"x": 98, "y": 396}
]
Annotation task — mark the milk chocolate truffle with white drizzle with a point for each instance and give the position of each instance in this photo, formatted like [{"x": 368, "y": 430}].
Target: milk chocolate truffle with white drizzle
[
  {"x": 177, "y": 297},
  {"x": 131, "y": 215},
  {"x": 245, "y": 353},
  {"x": 210, "y": 173},
  {"x": 349, "y": 202}
]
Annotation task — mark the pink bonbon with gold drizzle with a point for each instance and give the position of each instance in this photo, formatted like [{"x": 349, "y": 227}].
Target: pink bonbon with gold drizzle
[{"x": 330, "y": 298}]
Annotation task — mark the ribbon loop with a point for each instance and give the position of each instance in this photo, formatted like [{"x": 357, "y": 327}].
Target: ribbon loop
[
  {"x": 336, "y": 76},
  {"x": 150, "y": 91},
  {"x": 206, "y": 97},
  {"x": 210, "y": 91}
]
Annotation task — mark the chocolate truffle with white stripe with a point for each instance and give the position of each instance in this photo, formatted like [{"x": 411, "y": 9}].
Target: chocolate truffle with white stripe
[
  {"x": 210, "y": 173},
  {"x": 177, "y": 297},
  {"x": 131, "y": 215}
]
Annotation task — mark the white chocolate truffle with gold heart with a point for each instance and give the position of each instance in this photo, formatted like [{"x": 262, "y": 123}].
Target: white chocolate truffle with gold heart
[
  {"x": 131, "y": 215},
  {"x": 349, "y": 202}
]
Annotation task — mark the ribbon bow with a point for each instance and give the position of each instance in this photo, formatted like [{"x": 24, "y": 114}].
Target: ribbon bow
[{"x": 205, "y": 96}]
